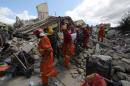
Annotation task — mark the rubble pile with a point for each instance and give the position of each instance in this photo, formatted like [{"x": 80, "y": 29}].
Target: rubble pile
[
  {"x": 110, "y": 58},
  {"x": 121, "y": 62},
  {"x": 118, "y": 49},
  {"x": 24, "y": 41},
  {"x": 11, "y": 56}
]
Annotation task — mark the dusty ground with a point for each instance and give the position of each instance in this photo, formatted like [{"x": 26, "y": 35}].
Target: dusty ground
[{"x": 64, "y": 76}]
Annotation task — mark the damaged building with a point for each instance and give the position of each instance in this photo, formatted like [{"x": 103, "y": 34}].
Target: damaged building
[{"x": 19, "y": 55}]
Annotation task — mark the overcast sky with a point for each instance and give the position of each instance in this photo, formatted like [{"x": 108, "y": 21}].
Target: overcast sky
[{"x": 91, "y": 11}]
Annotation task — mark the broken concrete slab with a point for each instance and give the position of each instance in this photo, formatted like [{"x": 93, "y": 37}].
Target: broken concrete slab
[
  {"x": 126, "y": 60},
  {"x": 102, "y": 57},
  {"x": 80, "y": 70},
  {"x": 121, "y": 75},
  {"x": 119, "y": 68},
  {"x": 125, "y": 83},
  {"x": 116, "y": 56}
]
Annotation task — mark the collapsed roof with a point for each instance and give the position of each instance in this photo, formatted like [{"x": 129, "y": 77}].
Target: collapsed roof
[{"x": 50, "y": 21}]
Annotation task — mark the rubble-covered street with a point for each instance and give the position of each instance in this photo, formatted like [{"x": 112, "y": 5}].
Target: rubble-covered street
[{"x": 50, "y": 50}]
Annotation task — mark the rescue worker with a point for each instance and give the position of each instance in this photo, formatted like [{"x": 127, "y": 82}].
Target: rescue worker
[
  {"x": 68, "y": 46},
  {"x": 85, "y": 37},
  {"x": 53, "y": 37},
  {"x": 101, "y": 33},
  {"x": 78, "y": 40},
  {"x": 47, "y": 68},
  {"x": 94, "y": 80}
]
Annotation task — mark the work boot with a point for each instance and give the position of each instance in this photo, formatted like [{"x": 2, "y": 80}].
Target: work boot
[
  {"x": 68, "y": 66},
  {"x": 45, "y": 85}
]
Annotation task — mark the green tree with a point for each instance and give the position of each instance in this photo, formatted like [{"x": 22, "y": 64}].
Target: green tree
[{"x": 124, "y": 26}]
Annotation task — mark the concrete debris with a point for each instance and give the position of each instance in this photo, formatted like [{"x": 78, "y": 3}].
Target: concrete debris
[
  {"x": 85, "y": 54},
  {"x": 97, "y": 50},
  {"x": 110, "y": 58},
  {"x": 125, "y": 83},
  {"x": 109, "y": 52},
  {"x": 126, "y": 60},
  {"x": 102, "y": 57},
  {"x": 123, "y": 76},
  {"x": 80, "y": 70},
  {"x": 116, "y": 50},
  {"x": 116, "y": 57},
  {"x": 119, "y": 68},
  {"x": 90, "y": 51}
]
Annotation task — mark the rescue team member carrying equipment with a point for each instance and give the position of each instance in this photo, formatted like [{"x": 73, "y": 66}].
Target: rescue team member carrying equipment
[{"x": 47, "y": 68}]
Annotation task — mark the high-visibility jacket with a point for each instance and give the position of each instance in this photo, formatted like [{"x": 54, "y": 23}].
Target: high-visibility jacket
[
  {"x": 47, "y": 64},
  {"x": 68, "y": 48},
  {"x": 101, "y": 32}
]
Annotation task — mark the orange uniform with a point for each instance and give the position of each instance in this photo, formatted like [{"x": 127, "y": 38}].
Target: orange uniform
[
  {"x": 85, "y": 38},
  {"x": 101, "y": 34},
  {"x": 68, "y": 48},
  {"x": 47, "y": 64},
  {"x": 95, "y": 80}
]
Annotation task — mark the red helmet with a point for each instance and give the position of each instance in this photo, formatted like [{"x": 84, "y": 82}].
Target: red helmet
[{"x": 38, "y": 31}]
